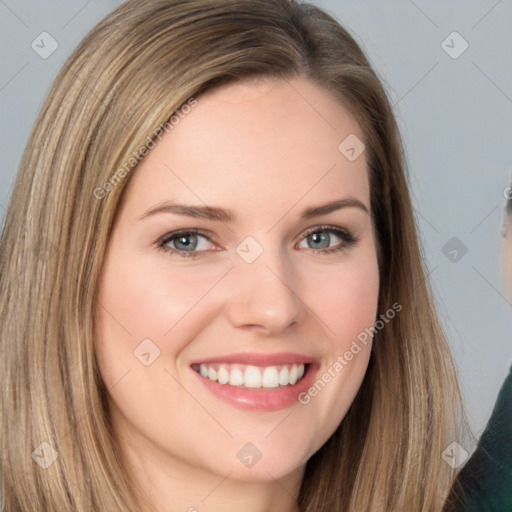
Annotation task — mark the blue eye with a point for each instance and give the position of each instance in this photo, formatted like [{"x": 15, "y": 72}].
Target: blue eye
[
  {"x": 322, "y": 240},
  {"x": 319, "y": 239},
  {"x": 187, "y": 244},
  {"x": 192, "y": 243}
]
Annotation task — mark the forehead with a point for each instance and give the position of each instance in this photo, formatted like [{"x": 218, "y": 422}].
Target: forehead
[{"x": 251, "y": 145}]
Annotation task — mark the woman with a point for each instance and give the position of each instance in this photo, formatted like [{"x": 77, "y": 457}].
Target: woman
[{"x": 212, "y": 277}]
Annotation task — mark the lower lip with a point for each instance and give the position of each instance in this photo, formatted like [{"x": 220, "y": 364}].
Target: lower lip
[{"x": 263, "y": 399}]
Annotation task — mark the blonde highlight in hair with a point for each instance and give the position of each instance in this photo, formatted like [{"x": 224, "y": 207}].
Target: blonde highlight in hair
[{"x": 124, "y": 81}]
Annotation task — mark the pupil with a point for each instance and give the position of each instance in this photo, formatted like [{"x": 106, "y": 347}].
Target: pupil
[
  {"x": 320, "y": 238},
  {"x": 186, "y": 243}
]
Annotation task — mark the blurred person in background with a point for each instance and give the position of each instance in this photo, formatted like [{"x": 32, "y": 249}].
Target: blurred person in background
[{"x": 485, "y": 482}]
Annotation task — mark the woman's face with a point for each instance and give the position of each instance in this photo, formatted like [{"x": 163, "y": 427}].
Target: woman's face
[{"x": 241, "y": 270}]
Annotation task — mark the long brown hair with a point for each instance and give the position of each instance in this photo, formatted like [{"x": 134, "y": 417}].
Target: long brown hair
[{"x": 119, "y": 87}]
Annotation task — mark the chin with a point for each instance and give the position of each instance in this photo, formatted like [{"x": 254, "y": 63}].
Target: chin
[
  {"x": 270, "y": 470},
  {"x": 259, "y": 460}
]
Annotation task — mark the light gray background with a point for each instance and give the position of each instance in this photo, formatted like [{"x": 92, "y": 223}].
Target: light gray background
[{"x": 455, "y": 116}]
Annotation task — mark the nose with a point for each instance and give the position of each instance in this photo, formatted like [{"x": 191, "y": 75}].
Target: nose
[{"x": 265, "y": 296}]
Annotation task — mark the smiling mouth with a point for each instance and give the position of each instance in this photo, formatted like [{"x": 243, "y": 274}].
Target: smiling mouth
[{"x": 252, "y": 377}]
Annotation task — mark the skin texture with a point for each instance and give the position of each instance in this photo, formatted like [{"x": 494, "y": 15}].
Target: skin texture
[{"x": 267, "y": 150}]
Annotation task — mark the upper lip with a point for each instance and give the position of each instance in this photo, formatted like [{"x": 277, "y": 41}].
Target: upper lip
[{"x": 258, "y": 359}]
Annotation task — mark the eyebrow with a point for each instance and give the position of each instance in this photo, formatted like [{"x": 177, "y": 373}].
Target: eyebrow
[{"x": 224, "y": 215}]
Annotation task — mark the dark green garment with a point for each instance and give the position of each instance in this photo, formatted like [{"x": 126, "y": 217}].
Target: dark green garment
[{"x": 485, "y": 482}]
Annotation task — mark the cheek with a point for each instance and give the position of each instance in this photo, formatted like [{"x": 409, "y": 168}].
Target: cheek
[
  {"x": 352, "y": 302},
  {"x": 152, "y": 303},
  {"x": 152, "y": 300},
  {"x": 345, "y": 297}
]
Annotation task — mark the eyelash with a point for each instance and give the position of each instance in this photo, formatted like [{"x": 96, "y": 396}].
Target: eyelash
[{"x": 348, "y": 240}]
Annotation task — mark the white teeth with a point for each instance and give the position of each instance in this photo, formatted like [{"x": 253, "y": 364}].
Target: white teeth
[
  {"x": 270, "y": 378},
  {"x": 254, "y": 377},
  {"x": 236, "y": 377},
  {"x": 283, "y": 376},
  {"x": 223, "y": 375},
  {"x": 294, "y": 373}
]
